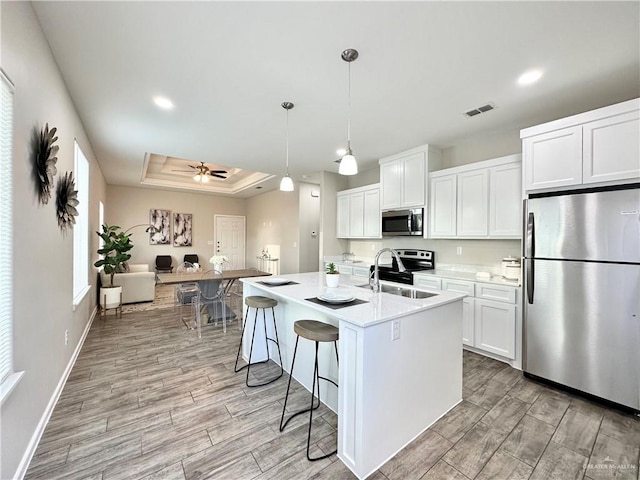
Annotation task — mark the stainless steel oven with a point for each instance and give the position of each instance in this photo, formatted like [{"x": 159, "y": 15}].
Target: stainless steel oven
[{"x": 396, "y": 223}]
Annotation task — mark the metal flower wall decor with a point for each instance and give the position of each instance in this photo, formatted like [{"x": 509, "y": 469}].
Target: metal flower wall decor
[
  {"x": 66, "y": 202},
  {"x": 45, "y": 162}
]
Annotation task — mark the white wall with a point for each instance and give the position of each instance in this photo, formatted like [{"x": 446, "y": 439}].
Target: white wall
[
  {"x": 309, "y": 222},
  {"x": 331, "y": 184},
  {"x": 43, "y": 255},
  {"x": 482, "y": 147},
  {"x": 272, "y": 219},
  {"x": 127, "y": 206}
]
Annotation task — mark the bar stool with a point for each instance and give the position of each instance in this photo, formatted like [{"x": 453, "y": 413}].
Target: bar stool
[
  {"x": 316, "y": 332},
  {"x": 258, "y": 302}
]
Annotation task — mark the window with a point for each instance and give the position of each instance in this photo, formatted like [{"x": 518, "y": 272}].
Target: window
[
  {"x": 81, "y": 228},
  {"x": 100, "y": 223},
  {"x": 8, "y": 379}
]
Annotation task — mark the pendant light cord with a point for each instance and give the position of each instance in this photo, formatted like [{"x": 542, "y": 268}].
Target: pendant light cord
[
  {"x": 287, "y": 142},
  {"x": 349, "y": 112}
]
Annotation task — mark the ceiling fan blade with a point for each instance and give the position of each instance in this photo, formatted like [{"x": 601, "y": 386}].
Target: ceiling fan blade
[
  {"x": 218, "y": 176},
  {"x": 183, "y": 171},
  {"x": 218, "y": 171}
]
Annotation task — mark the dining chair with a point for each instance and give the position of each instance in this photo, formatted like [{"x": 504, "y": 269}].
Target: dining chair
[
  {"x": 212, "y": 297},
  {"x": 188, "y": 295},
  {"x": 191, "y": 258}
]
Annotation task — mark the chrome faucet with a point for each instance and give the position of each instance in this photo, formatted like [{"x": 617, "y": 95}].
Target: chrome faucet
[{"x": 375, "y": 283}]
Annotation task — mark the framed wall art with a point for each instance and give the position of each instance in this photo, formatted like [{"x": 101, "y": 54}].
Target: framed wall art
[
  {"x": 182, "y": 229},
  {"x": 161, "y": 220}
]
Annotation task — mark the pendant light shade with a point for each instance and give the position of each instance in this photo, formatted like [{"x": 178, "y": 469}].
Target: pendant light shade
[
  {"x": 286, "y": 184},
  {"x": 348, "y": 163},
  {"x": 201, "y": 178}
]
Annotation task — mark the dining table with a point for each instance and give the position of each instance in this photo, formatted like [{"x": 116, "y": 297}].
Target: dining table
[{"x": 228, "y": 276}]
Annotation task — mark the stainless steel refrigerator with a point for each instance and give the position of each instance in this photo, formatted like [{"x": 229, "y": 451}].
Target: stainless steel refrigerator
[{"x": 582, "y": 292}]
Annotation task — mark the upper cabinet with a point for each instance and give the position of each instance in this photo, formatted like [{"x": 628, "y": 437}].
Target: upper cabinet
[
  {"x": 358, "y": 212},
  {"x": 403, "y": 177},
  {"x": 480, "y": 200},
  {"x": 597, "y": 147}
]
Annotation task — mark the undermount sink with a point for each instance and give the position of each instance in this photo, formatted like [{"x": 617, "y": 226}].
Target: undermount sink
[{"x": 403, "y": 291}]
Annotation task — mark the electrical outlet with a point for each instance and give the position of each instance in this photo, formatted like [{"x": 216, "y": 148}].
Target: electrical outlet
[
  {"x": 66, "y": 337},
  {"x": 209, "y": 242},
  {"x": 459, "y": 251},
  {"x": 395, "y": 329}
]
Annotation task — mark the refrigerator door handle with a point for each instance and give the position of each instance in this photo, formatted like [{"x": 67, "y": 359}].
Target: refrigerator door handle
[
  {"x": 531, "y": 248},
  {"x": 530, "y": 280},
  {"x": 531, "y": 236}
]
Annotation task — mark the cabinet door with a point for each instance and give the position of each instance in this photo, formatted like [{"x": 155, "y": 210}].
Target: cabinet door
[
  {"x": 505, "y": 200},
  {"x": 356, "y": 215},
  {"x": 473, "y": 203},
  {"x": 413, "y": 180},
  {"x": 468, "y": 313},
  {"x": 495, "y": 327},
  {"x": 442, "y": 207},
  {"x": 612, "y": 148},
  {"x": 391, "y": 184},
  {"x": 342, "y": 216},
  {"x": 372, "y": 221},
  {"x": 553, "y": 159}
]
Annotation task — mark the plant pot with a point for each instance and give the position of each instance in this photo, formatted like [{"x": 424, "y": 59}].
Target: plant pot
[
  {"x": 332, "y": 279},
  {"x": 110, "y": 297}
]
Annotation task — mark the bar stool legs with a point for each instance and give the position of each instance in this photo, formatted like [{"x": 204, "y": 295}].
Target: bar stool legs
[
  {"x": 259, "y": 303},
  {"x": 312, "y": 406}
]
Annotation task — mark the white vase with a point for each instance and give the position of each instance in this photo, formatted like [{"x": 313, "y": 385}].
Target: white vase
[
  {"x": 110, "y": 297},
  {"x": 333, "y": 279},
  {"x": 217, "y": 267}
]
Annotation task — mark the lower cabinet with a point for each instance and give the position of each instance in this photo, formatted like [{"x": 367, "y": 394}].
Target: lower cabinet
[
  {"x": 489, "y": 312},
  {"x": 495, "y": 327}
]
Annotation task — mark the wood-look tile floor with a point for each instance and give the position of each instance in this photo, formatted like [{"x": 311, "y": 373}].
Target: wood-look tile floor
[{"x": 148, "y": 400}]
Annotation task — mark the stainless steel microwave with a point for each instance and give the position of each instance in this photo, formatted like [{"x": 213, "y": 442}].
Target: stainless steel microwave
[{"x": 396, "y": 223}]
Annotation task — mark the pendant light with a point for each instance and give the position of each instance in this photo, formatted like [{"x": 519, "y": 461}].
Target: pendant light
[
  {"x": 348, "y": 164},
  {"x": 286, "y": 184}
]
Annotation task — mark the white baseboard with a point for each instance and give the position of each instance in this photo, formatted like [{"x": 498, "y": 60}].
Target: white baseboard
[{"x": 46, "y": 415}]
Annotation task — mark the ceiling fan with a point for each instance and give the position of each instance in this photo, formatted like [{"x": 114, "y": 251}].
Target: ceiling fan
[{"x": 202, "y": 172}]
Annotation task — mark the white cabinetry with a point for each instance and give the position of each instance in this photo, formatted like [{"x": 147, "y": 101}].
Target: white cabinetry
[
  {"x": 403, "y": 177},
  {"x": 358, "y": 212},
  {"x": 473, "y": 203},
  {"x": 600, "y": 146},
  {"x": 490, "y": 316},
  {"x": 480, "y": 200}
]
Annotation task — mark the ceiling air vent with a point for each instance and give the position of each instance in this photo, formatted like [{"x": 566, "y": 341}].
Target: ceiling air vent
[{"x": 479, "y": 110}]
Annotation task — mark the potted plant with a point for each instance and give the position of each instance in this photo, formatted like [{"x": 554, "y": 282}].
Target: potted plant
[
  {"x": 114, "y": 251},
  {"x": 332, "y": 276}
]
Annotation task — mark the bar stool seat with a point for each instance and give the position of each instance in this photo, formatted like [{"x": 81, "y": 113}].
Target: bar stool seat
[
  {"x": 258, "y": 302},
  {"x": 316, "y": 332}
]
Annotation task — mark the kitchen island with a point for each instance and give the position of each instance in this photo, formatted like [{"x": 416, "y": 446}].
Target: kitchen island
[{"x": 400, "y": 360}]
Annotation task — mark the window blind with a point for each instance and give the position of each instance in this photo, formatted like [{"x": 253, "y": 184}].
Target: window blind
[
  {"x": 6, "y": 228},
  {"x": 81, "y": 228}
]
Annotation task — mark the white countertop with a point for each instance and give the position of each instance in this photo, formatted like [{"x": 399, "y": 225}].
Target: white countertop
[
  {"x": 469, "y": 276},
  {"x": 380, "y": 307}
]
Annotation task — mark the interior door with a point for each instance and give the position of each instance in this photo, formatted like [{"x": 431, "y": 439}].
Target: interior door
[{"x": 229, "y": 234}]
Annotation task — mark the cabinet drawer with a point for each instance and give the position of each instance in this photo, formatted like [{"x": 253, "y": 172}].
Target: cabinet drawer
[
  {"x": 498, "y": 293},
  {"x": 427, "y": 282},
  {"x": 459, "y": 286},
  {"x": 345, "y": 269},
  {"x": 361, "y": 272}
]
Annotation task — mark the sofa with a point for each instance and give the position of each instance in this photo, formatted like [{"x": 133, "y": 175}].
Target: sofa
[{"x": 138, "y": 284}]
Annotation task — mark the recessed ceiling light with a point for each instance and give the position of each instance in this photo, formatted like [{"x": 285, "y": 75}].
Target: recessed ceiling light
[
  {"x": 163, "y": 102},
  {"x": 527, "y": 78},
  {"x": 341, "y": 152}
]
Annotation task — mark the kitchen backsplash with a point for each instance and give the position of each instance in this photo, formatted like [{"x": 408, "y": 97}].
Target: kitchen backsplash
[{"x": 485, "y": 253}]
